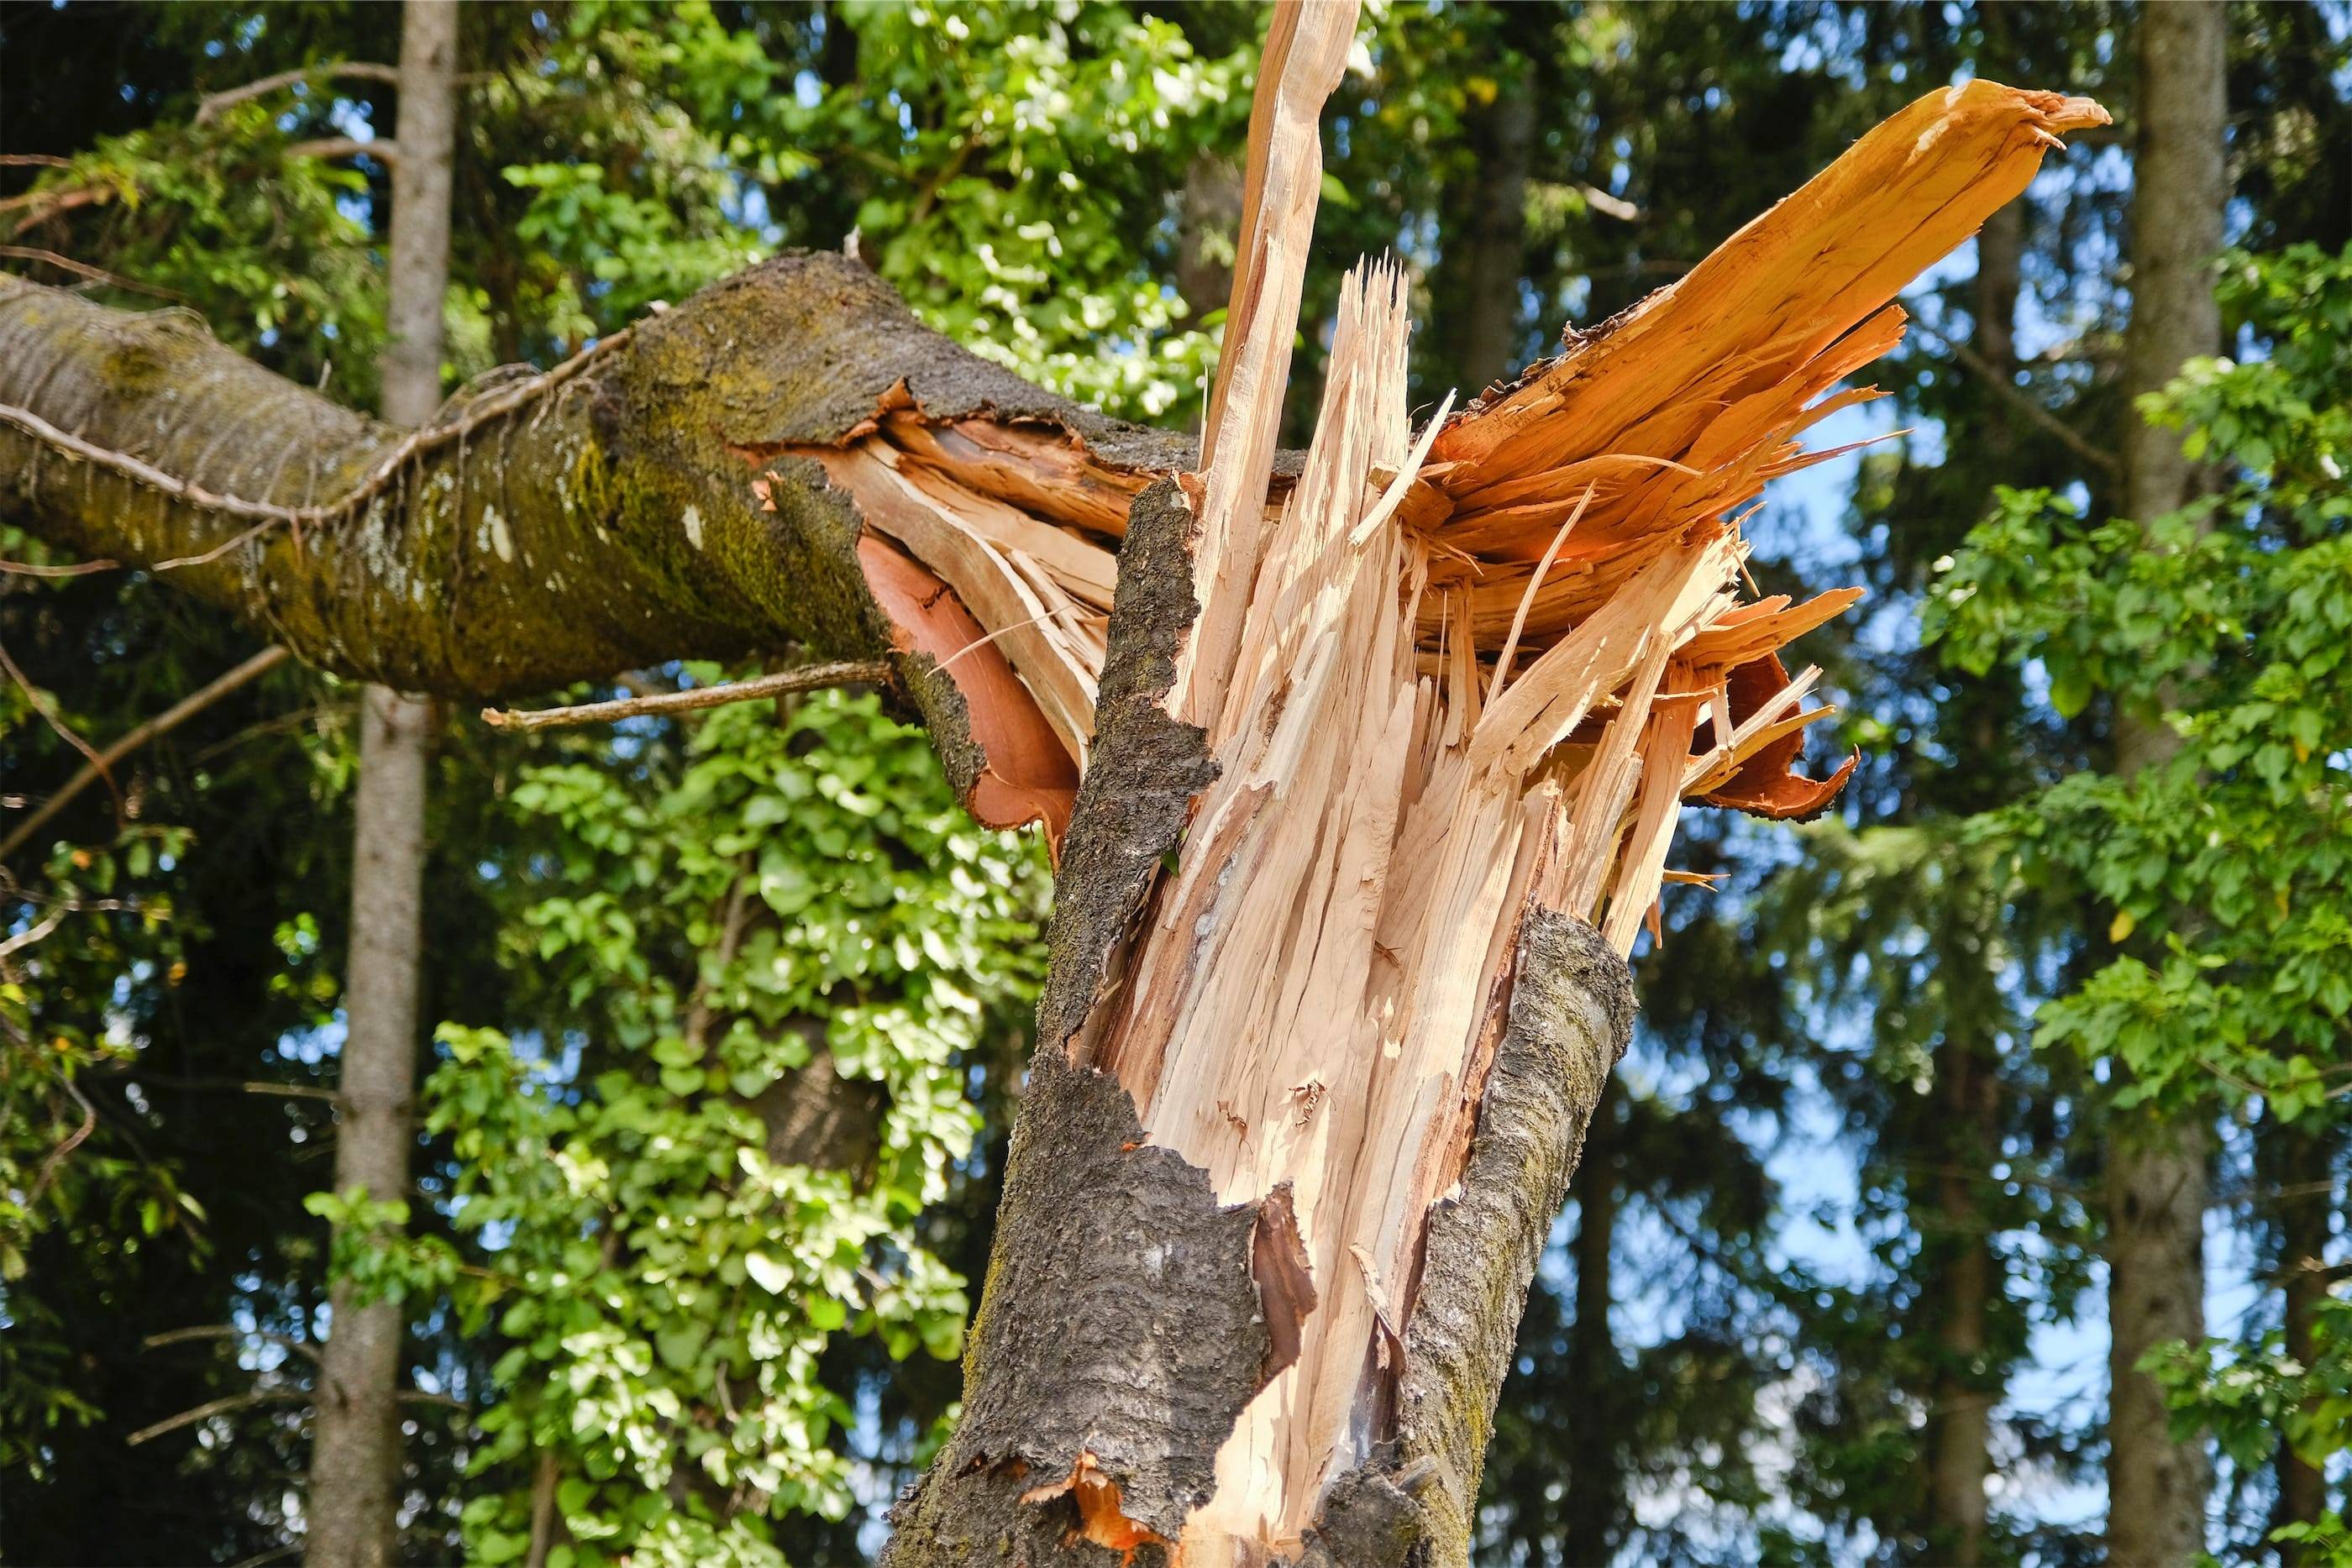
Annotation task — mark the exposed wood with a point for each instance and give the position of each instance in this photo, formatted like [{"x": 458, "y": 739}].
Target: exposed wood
[
  {"x": 1314, "y": 997},
  {"x": 1305, "y": 50}
]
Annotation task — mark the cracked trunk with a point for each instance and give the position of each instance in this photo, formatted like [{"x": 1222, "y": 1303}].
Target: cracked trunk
[{"x": 1360, "y": 796}]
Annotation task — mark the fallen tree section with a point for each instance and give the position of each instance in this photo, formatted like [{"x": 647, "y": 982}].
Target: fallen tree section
[{"x": 636, "y": 505}]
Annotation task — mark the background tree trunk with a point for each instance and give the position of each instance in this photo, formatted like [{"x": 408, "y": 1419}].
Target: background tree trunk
[
  {"x": 352, "y": 1512},
  {"x": 2156, "y": 1166},
  {"x": 1493, "y": 262},
  {"x": 2301, "y": 1157},
  {"x": 1965, "y": 1272},
  {"x": 1596, "y": 1483},
  {"x": 1961, "y": 1418}
]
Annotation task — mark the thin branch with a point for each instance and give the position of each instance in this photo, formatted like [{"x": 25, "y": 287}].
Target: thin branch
[
  {"x": 1984, "y": 369},
  {"x": 275, "y": 1553},
  {"x": 162, "y": 724},
  {"x": 230, "y": 1331},
  {"x": 217, "y": 1407},
  {"x": 222, "y": 548},
  {"x": 424, "y": 1396},
  {"x": 32, "y": 934},
  {"x": 73, "y": 1141},
  {"x": 78, "y": 569},
  {"x": 84, "y": 270},
  {"x": 808, "y": 678},
  {"x": 344, "y": 147},
  {"x": 33, "y": 161},
  {"x": 64, "y": 730},
  {"x": 293, "y": 1090},
  {"x": 209, "y": 107}
]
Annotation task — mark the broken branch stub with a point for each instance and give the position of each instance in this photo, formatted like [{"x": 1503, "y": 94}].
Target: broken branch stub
[{"x": 1403, "y": 839}]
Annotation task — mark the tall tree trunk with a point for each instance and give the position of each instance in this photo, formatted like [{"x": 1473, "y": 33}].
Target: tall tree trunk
[
  {"x": 1489, "y": 344},
  {"x": 2156, "y": 1484},
  {"x": 1208, "y": 227},
  {"x": 1964, "y": 1273},
  {"x": 1966, "y": 1278},
  {"x": 352, "y": 1509},
  {"x": 2302, "y": 1156},
  {"x": 1467, "y": 845},
  {"x": 1596, "y": 1484}
]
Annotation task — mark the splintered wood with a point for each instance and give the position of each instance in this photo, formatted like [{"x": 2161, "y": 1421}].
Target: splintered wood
[{"x": 1443, "y": 684}]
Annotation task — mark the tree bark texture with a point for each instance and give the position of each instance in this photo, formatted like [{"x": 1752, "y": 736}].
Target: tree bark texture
[
  {"x": 352, "y": 1510},
  {"x": 1494, "y": 261},
  {"x": 750, "y": 470},
  {"x": 2156, "y": 1484},
  {"x": 1966, "y": 1280},
  {"x": 1595, "y": 1510},
  {"x": 2301, "y": 1159}
]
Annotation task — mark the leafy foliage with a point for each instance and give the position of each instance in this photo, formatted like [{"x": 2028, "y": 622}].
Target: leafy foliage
[
  {"x": 2230, "y": 619},
  {"x": 768, "y": 970}
]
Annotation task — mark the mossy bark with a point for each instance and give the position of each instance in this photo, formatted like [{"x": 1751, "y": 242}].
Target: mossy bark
[{"x": 610, "y": 525}]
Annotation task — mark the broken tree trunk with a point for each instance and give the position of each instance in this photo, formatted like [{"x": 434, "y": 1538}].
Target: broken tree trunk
[{"x": 1382, "y": 753}]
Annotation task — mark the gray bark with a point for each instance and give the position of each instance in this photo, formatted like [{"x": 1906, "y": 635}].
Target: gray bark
[
  {"x": 1494, "y": 255},
  {"x": 1595, "y": 1510},
  {"x": 2303, "y": 1157},
  {"x": 2157, "y": 1486},
  {"x": 352, "y": 1509},
  {"x": 1963, "y": 1272},
  {"x": 1208, "y": 227}
]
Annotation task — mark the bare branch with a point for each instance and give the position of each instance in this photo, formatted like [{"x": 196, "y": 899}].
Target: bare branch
[
  {"x": 162, "y": 724},
  {"x": 78, "y": 569},
  {"x": 293, "y": 1092},
  {"x": 383, "y": 152},
  {"x": 230, "y": 1331},
  {"x": 210, "y": 107},
  {"x": 1976, "y": 364},
  {"x": 84, "y": 270},
  {"x": 32, "y": 934},
  {"x": 808, "y": 678},
  {"x": 217, "y": 1407},
  {"x": 73, "y": 1141},
  {"x": 65, "y": 731}
]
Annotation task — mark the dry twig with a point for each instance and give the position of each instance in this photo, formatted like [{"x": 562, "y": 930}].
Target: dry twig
[{"x": 807, "y": 678}]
